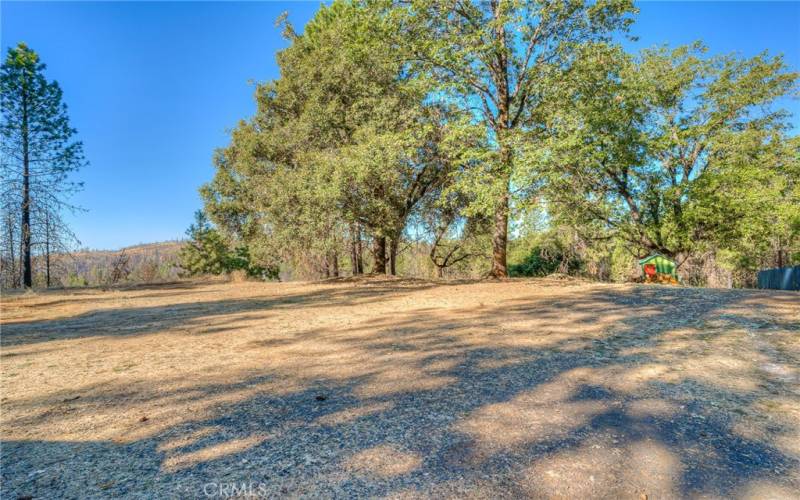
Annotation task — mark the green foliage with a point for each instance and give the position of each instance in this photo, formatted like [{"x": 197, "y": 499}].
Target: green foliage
[
  {"x": 500, "y": 61},
  {"x": 240, "y": 260},
  {"x": 207, "y": 252},
  {"x": 39, "y": 153},
  {"x": 538, "y": 263},
  {"x": 447, "y": 119},
  {"x": 346, "y": 139},
  {"x": 669, "y": 152},
  {"x": 541, "y": 252},
  {"x": 33, "y": 111},
  {"x": 73, "y": 280}
]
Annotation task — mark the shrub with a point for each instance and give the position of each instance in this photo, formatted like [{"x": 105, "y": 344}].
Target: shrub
[
  {"x": 206, "y": 252},
  {"x": 542, "y": 261},
  {"x": 240, "y": 260}
]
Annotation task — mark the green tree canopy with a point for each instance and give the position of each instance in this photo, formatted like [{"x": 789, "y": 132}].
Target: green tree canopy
[
  {"x": 346, "y": 138},
  {"x": 499, "y": 60},
  {"x": 39, "y": 150},
  {"x": 670, "y": 150}
]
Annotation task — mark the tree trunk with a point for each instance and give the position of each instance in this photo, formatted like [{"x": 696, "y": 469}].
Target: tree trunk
[
  {"x": 500, "y": 233},
  {"x": 440, "y": 272},
  {"x": 353, "y": 256},
  {"x": 47, "y": 262},
  {"x": 19, "y": 264},
  {"x": 27, "y": 273},
  {"x": 393, "y": 256},
  {"x": 47, "y": 249},
  {"x": 500, "y": 239},
  {"x": 502, "y": 126},
  {"x": 360, "y": 255},
  {"x": 13, "y": 260},
  {"x": 356, "y": 262},
  {"x": 335, "y": 264},
  {"x": 379, "y": 253}
]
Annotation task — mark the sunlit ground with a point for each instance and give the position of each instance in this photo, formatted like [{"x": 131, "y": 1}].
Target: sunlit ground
[{"x": 402, "y": 388}]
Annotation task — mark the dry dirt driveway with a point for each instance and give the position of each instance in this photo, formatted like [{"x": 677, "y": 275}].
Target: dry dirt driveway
[{"x": 377, "y": 387}]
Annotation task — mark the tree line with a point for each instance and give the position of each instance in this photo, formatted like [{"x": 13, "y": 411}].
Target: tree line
[
  {"x": 461, "y": 126},
  {"x": 458, "y": 138}
]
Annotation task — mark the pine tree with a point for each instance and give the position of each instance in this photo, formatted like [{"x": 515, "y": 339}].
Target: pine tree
[
  {"x": 206, "y": 251},
  {"x": 38, "y": 147}
]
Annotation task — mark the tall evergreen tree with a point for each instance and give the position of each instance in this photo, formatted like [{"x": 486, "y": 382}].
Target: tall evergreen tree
[{"x": 38, "y": 147}]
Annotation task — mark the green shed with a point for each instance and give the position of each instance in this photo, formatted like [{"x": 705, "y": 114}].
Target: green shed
[{"x": 662, "y": 264}]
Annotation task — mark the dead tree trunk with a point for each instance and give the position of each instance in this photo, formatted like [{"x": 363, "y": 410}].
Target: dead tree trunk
[{"x": 47, "y": 231}]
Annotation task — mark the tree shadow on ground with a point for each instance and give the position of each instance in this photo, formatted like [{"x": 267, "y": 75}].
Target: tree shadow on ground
[
  {"x": 128, "y": 321},
  {"x": 614, "y": 392}
]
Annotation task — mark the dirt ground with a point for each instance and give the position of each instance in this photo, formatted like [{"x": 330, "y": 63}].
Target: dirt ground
[{"x": 380, "y": 387}]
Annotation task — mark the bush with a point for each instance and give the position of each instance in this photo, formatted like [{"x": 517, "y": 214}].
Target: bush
[
  {"x": 207, "y": 252},
  {"x": 240, "y": 261},
  {"x": 542, "y": 261}
]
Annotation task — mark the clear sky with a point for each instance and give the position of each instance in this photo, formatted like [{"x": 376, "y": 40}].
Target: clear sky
[{"x": 153, "y": 87}]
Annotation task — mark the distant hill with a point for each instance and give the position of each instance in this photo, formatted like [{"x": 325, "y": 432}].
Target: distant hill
[
  {"x": 142, "y": 248},
  {"x": 147, "y": 262}
]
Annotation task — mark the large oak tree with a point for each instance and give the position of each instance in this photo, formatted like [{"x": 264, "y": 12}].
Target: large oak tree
[{"x": 500, "y": 59}]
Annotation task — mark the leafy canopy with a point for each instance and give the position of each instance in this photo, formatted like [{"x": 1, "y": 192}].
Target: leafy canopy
[{"x": 668, "y": 151}]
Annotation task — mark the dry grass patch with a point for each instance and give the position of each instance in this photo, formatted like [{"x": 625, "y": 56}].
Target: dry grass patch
[{"x": 385, "y": 387}]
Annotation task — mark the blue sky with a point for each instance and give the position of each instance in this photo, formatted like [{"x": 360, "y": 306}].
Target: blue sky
[{"x": 153, "y": 87}]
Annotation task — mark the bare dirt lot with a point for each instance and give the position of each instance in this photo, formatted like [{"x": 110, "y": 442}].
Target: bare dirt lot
[{"x": 379, "y": 387}]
